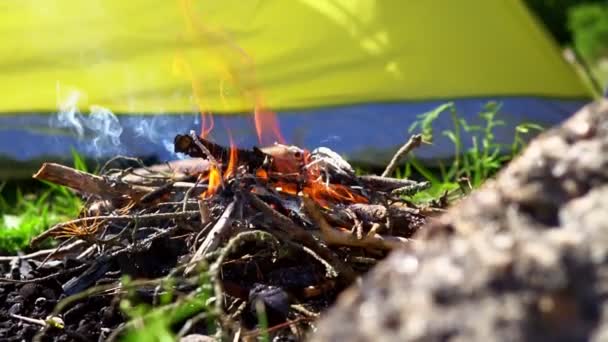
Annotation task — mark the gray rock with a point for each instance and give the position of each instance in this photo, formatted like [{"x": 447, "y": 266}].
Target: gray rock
[
  {"x": 196, "y": 338},
  {"x": 523, "y": 258}
]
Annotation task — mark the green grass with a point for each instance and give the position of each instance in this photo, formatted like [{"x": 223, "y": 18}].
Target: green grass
[
  {"x": 470, "y": 166},
  {"x": 23, "y": 216},
  {"x": 154, "y": 324}
]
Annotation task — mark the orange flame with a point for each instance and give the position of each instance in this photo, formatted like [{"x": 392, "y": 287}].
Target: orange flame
[
  {"x": 232, "y": 160},
  {"x": 324, "y": 194},
  {"x": 238, "y": 68},
  {"x": 181, "y": 66},
  {"x": 266, "y": 125},
  {"x": 214, "y": 182}
]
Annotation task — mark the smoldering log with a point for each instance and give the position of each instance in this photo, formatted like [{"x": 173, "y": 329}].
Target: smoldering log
[{"x": 184, "y": 143}]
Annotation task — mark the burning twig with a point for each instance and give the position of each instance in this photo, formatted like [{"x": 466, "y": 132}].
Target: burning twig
[
  {"x": 411, "y": 144},
  {"x": 191, "y": 145}
]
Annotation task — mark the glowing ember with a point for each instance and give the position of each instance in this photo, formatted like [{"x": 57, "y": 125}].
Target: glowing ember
[{"x": 261, "y": 174}]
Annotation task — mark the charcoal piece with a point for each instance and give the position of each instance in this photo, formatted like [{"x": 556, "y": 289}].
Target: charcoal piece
[
  {"x": 89, "y": 277},
  {"x": 29, "y": 292},
  {"x": 275, "y": 300},
  {"x": 155, "y": 261},
  {"x": 15, "y": 309}
]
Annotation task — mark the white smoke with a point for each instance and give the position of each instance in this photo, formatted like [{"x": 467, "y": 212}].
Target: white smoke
[
  {"x": 105, "y": 127},
  {"x": 68, "y": 116},
  {"x": 98, "y": 132},
  {"x": 156, "y": 129}
]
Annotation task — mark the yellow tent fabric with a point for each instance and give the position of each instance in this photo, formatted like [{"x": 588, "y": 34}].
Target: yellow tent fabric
[{"x": 147, "y": 56}]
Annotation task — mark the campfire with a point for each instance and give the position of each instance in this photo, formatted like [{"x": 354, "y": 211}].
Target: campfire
[{"x": 276, "y": 229}]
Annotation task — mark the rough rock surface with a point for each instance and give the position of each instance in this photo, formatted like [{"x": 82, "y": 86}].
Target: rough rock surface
[{"x": 523, "y": 258}]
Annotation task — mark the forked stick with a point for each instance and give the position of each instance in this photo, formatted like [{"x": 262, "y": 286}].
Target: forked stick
[{"x": 89, "y": 183}]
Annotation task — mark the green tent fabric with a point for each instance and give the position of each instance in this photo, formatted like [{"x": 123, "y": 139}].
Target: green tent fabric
[{"x": 348, "y": 74}]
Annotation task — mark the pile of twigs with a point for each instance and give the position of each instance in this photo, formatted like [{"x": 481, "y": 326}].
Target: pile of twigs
[{"x": 214, "y": 243}]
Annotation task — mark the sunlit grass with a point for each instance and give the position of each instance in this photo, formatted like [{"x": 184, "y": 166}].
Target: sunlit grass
[
  {"x": 27, "y": 215},
  {"x": 470, "y": 167}
]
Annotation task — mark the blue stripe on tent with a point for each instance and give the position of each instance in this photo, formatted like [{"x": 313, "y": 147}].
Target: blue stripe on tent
[{"x": 368, "y": 133}]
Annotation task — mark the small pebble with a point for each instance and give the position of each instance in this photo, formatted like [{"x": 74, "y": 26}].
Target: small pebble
[
  {"x": 40, "y": 301},
  {"x": 15, "y": 309}
]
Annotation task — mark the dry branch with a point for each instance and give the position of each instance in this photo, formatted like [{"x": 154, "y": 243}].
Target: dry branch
[
  {"x": 299, "y": 234},
  {"x": 336, "y": 237},
  {"x": 411, "y": 144},
  {"x": 88, "y": 183},
  {"x": 213, "y": 239},
  {"x": 123, "y": 218}
]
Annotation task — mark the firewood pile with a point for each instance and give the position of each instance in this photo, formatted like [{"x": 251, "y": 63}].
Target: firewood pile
[{"x": 225, "y": 238}]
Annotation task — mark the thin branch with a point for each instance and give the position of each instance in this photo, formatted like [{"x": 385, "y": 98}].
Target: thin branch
[
  {"x": 43, "y": 252},
  {"x": 122, "y": 218},
  {"x": 411, "y": 144},
  {"x": 297, "y": 233},
  {"x": 213, "y": 238}
]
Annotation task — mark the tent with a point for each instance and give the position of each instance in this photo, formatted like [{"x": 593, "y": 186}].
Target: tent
[{"x": 114, "y": 76}]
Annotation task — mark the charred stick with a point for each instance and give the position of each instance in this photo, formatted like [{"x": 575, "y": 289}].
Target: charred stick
[
  {"x": 403, "y": 219},
  {"x": 205, "y": 150},
  {"x": 411, "y": 144},
  {"x": 188, "y": 144},
  {"x": 88, "y": 183}
]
